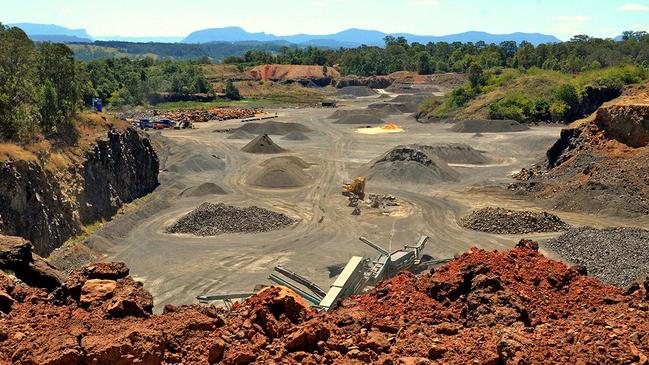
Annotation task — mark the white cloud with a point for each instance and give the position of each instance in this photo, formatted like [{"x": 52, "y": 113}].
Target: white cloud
[
  {"x": 634, "y": 7},
  {"x": 568, "y": 25},
  {"x": 424, "y": 3},
  {"x": 323, "y": 3}
]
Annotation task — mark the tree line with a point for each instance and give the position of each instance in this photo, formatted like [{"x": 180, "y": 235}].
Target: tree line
[
  {"x": 42, "y": 86},
  {"x": 578, "y": 54}
]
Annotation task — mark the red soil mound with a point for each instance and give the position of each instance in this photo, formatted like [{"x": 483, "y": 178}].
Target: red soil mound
[
  {"x": 282, "y": 73},
  {"x": 510, "y": 307}
]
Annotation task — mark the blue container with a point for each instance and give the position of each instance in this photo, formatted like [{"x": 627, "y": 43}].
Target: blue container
[{"x": 96, "y": 104}]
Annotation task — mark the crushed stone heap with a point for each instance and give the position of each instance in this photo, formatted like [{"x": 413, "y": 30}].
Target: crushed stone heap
[
  {"x": 616, "y": 255},
  {"x": 214, "y": 219},
  {"x": 505, "y": 221},
  {"x": 507, "y": 307},
  {"x": 413, "y": 164},
  {"x": 262, "y": 144}
]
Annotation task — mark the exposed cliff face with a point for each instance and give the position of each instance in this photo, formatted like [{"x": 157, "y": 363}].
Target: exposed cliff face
[
  {"x": 50, "y": 207},
  {"x": 601, "y": 166},
  {"x": 117, "y": 170}
]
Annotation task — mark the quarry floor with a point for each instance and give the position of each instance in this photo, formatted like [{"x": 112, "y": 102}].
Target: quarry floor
[{"x": 176, "y": 268}]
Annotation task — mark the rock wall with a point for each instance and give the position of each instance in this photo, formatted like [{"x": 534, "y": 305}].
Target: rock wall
[
  {"x": 627, "y": 123},
  {"x": 50, "y": 207}
]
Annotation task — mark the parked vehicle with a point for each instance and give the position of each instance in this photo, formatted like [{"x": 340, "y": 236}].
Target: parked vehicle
[
  {"x": 163, "y": 124},
  {"x": 145, "y": 124}
]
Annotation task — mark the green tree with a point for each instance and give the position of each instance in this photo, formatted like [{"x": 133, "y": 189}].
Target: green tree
[
  {"x": 475, "y": 76},
  {"x": 60, "y": 85},
  {"x": 425, "y": 63},
  {"x": 231, "y": 91},
  {"x": 18, "y": 80}
]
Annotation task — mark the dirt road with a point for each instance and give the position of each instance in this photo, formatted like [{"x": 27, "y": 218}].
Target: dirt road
[{"x": 176, "y": 268}]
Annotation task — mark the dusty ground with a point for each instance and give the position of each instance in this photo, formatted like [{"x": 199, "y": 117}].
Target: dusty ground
[{"x": 176, "y": 268}]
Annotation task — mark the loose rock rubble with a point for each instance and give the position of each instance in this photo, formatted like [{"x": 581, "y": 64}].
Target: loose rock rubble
[
  {"x": 214, "y": 219},
  {"x": 509, "y": 307},
  {"x": 599, "y": 167},
  {"x": 504, "y": 221},
  {"x": 615, "y": 256},
  {"x": 194, "y": 115}
]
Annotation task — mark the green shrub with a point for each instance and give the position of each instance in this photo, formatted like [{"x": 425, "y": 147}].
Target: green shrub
[
  {"x": 511, "y": 107},
  {"x": 430, "y": 104},
  {"x": 459, "y": 97},
  {"x": 520, "y": 109},
  {"x": 558, "y": 110},
  {"x": 231, "y": 91}
]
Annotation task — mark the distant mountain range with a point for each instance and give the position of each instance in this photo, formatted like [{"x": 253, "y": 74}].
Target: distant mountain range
[
  {"x": 356, "y": 37},
  {"x": 347, "y": 38},
  {"x": 53, "y": 33}
]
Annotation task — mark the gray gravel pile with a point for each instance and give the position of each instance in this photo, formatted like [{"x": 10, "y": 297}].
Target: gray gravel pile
[
  {"x": 214, "y": 219},
  {"x": 616, "y": 256},
  {"x": 355, "y": 91},
  {"x": 504, "y": 221},
  {"x": 262, "y": 144},
  {"x": 272, "y": 127},
  {"x": 488, "y": 126},
  {"x": 409, "y": 165}
]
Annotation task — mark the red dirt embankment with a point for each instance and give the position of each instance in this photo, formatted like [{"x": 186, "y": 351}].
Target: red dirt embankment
[
  {"x": 509, "y": 307},
  {"x": 287, "y": 73}
]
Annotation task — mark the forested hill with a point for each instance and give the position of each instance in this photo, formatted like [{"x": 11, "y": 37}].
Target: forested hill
[{"x": 215, "y": 51}]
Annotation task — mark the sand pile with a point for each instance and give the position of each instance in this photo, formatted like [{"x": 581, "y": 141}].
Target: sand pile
[
  {"x": 296, "y": 136},
  {"x": 202, "y": 190},
  {"x": 455, "y": 153},
  {"x": 262, "y": 144},
  {"x": 214, "y": 219},
  {"x": 488, "y": 126},
  {"x": 388, "y": 128},
  {"x": 409, "y": 165},
  {"x": 504, "y": 221},
  {"x": 294, "y": 160},
  {"x": 240, "y": 134},
  {"x": 408, "y": 103},
  {"x": 345, "y": 112},
  {"x": 387, "y": 108},
  {"x": 197, "y": 162},
  {"x": 355, "y": 91},
  {"x": 359, "y": 118},
  {"x": 273, "y": 128},
  {"x": 280, "y": 173}
]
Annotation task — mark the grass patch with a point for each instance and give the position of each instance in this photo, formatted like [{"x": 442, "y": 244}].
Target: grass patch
[
  {"x": 534, "y": 95},
  {"x": 10, "y": 151}
]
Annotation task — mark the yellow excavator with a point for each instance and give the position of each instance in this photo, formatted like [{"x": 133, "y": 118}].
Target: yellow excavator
[{"x": 356, "y": 187}]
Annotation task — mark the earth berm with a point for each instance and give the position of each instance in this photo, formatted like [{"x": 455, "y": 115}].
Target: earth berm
[{"x": 507, "y": 307}]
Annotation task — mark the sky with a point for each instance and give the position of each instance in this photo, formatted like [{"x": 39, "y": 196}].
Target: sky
[{"x": 562, "y": 18}]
